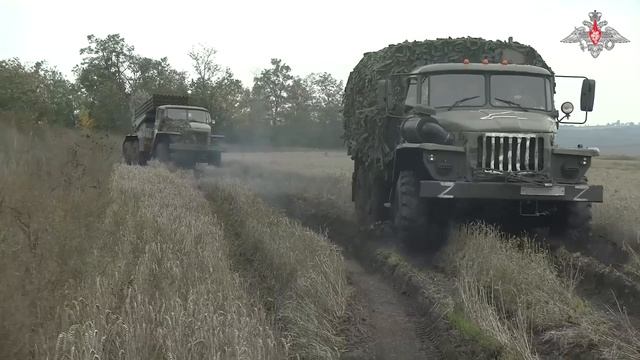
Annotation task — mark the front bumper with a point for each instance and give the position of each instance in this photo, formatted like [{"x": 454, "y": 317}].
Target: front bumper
[
  {"x": 193, "y": 152},
  {"x": 510, "y": 191},
  {"x": 180, "y": 147}
]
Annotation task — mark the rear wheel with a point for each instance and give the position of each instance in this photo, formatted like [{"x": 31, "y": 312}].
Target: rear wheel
[
  {"x": 127, "y": 152},
  {"x": 419, "y": 224},
  {"x": 368, "y": 195},
  {"x": 130, "y": 152}
]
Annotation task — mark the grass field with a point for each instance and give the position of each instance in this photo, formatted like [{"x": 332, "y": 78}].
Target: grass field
[
  {"x": 510, "y": 288},
  {"x": 102, "y": 260}
]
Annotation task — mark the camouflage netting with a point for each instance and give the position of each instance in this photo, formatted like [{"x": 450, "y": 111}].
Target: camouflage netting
[{"x": 370, "y": 136}]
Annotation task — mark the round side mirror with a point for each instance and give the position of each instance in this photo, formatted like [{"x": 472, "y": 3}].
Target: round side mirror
[{"x": 566, "y": 107}]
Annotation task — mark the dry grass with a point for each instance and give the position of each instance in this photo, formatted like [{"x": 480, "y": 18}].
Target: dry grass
[
  {"x": 297, "y": 273},
  {"x": 618, "y": 218},
  {"x": 322, "y": 184},
  {"x": 170, "y": 292},
  {"x": 510, "y": 288},
  {"x": 53, "y": 197},
  {"x": 129, "y": 262},
  {"x": 327, "y": 175},
  {"x": 311, "y": 163}
]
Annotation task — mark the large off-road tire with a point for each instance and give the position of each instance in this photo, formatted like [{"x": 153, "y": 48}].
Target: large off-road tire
[
  {"x": 215, "y": 159},
  {"x": 130, "y": 154},
  {"x": 142, "y": 158},
  {"x": 162, "y": 152},
  {"x": 572, "y": 223},
  {"x": 368, "y": 194},
  {"x": 419, "y": 224}
]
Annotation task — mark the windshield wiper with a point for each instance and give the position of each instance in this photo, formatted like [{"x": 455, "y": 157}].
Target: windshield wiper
[
  {"x": 458, "y": 102},
  {"x": 511, "y": 103}
]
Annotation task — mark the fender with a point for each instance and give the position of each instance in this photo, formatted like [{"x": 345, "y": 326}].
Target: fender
[
  {"x": 162, "y": 135},
  {"x": 410, "y": 155}
]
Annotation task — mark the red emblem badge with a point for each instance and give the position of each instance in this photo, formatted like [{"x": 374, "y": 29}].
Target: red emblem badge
[{"x": 595, "y": 35}]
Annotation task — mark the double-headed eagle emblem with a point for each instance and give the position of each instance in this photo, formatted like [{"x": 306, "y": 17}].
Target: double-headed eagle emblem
[{"x": 595, "y": 35}]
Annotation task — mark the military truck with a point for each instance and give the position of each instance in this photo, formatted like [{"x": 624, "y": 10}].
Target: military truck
[
  {"x": 166, "y": 128},
  {"x": 464, "y": 129}
]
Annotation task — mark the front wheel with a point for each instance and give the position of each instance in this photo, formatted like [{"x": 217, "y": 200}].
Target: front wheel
[
  {"x": 215, "y": 159},
  {"x": 419, "y": 224},
  {"x": 572, "y": 222},
  {"x": 162, "y": 152}
]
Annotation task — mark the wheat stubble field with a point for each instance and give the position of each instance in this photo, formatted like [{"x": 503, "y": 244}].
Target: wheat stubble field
[
  {"x": 511, "y": 295},
  {"x": 106, "y": 261}
]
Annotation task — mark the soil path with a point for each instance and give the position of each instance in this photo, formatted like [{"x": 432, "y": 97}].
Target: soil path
[{"x": 388, "y": 325}]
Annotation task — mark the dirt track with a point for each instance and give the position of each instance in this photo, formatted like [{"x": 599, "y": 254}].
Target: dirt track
[{"x": 388, "y": 320}]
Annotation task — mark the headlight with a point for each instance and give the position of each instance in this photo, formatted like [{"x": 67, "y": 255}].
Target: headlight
[{"x": 566, "y": 107}]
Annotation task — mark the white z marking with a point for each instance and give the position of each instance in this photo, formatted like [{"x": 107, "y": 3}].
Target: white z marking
[
  {"x": 584, "y": 190},
  {"x": 444, "y": 193}
]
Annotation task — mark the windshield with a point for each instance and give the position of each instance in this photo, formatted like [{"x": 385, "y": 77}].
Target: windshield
[
  {"x": 188, "y": 115},
  {"x": 531, "y": 92},
  {"x": 448, "y": 90},
  {"x": 451, "y": 91}
]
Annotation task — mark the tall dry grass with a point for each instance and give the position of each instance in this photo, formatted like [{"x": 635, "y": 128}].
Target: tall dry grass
[
  {"x": 512, "y": 290},
  {"x": 296, "y": 272},
  {"x": 53, "y": 197},
  {"x": 129, "y": 262},
  {"x": 324, "y": 186},
  {"x": 169, "y": 291},
  {"x": 618, "y": 217},
  {"x": 509, "y": 287}
]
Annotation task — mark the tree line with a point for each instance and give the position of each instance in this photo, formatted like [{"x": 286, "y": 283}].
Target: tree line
[{"x": 279, "y": 108}]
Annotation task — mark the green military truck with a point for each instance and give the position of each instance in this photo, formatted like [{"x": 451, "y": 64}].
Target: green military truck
[
  {"x": 464, "y": 129},
  {"x": 166, "y": 128}
]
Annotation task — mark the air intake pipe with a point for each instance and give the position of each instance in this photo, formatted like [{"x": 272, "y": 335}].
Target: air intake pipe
[{"x": 417, "y": 129}]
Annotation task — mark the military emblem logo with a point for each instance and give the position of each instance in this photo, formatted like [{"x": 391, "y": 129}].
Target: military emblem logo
[{"x": 595, "y": 35}]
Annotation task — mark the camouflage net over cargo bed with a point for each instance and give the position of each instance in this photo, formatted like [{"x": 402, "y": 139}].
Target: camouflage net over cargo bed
[{"x": 370, "y": 136}]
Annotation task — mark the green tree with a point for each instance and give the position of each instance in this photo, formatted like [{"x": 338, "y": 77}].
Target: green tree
[
  {"x": 157, "y": 76},
  {"x": 216, "y": 88},
  {"x": 38, "y": 92},
  {"x": 273, "y": 86},
  {"x": 327, "y": 108},
  {"x": 106, "y": 76},
  {"x": 114, "y": 80}
]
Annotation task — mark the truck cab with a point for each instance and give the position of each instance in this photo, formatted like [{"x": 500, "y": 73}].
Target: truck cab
[
  {"x": 502, "y": 118},
  {"x": 169, "y": 129},
  {"x": 480, "y": 139},
  {"x": 184, "y": 134}
]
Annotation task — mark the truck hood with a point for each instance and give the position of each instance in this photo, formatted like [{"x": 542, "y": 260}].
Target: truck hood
[
  {"x": 198, "y": 126},
  {"x": 496, "y": 120}
]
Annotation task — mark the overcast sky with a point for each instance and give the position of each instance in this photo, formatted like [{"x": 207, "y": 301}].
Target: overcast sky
[{"x": 330, "y": 35}]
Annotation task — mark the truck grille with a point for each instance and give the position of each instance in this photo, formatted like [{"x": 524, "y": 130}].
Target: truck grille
[
  {"x": 196, "y": 138},
  {"x": 511, "y": 152}
]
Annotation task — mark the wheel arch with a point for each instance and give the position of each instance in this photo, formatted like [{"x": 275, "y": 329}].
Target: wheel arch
[{"x": 408, "y": 158}]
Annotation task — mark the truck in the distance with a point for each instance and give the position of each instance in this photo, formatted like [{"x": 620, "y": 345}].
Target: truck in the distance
[
  {"x": 464, "y": 129},
  {"x": 166, "y": 128}
]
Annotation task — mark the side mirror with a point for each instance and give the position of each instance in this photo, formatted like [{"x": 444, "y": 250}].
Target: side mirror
[
  {"x": 382, "y": 91},
  {"x": 587, "y": 94}
]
